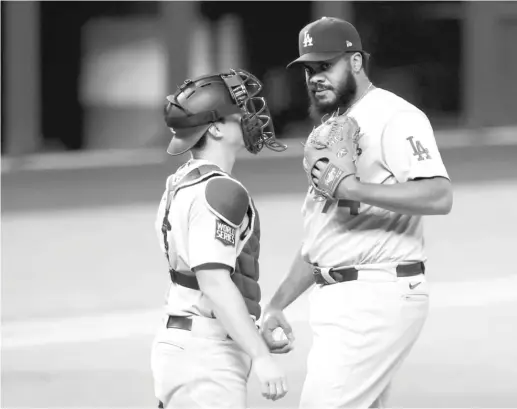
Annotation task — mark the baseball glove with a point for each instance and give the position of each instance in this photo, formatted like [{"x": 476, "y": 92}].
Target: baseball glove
[{"x": 333, "y": 143}]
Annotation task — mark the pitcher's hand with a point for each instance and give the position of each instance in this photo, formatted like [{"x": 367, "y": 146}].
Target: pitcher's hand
[{"x": 273, "y": 320}]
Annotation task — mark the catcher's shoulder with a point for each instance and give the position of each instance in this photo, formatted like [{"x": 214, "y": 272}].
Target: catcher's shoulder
[{"x": 227, "y": 198}]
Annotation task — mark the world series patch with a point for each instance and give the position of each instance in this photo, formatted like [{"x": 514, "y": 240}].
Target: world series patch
[{"x": 225, "y": 233}]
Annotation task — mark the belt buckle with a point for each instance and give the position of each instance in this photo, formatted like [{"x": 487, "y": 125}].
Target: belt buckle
[
  {"x": 323, "y": 276},
  {"x": 318, "y": 277}
]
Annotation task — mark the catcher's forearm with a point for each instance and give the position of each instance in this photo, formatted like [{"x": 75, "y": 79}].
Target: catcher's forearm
[
  {"x": 299, "y": 279},
  {"x": 418, "y": 197},
  {"x": 230, "y": 309}
]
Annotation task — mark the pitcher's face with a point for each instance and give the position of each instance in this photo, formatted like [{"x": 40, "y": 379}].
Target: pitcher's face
[{"x": 330, "y": 85}]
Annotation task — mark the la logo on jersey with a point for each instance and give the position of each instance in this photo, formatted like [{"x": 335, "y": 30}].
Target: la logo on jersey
[
  {"x": 307, "y": 40},
  {"x": 418, "y": 149},
  {"x": 224, "y": 233}
]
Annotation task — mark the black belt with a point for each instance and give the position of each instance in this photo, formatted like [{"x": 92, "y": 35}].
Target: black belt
[
  {"x": 184, "y": 323},
  {"x": 184, "y": 280},
  {"x": 177, "y": 322},
  {"x": 350, "y": 274}
]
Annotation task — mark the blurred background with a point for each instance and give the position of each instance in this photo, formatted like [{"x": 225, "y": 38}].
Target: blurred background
[{"x": 84, "y": 166}]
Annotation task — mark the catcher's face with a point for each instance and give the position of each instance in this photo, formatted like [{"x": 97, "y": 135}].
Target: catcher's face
[{"x": 331, "y": 85}]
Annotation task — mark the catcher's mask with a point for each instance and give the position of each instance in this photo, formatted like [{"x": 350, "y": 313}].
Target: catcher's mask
[{"x": 200, "y": 102}]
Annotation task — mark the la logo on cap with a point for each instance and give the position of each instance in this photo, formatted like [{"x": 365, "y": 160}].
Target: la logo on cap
[
  {"x": 348, "y": 44},
  {"x": 307, "y": 39}
]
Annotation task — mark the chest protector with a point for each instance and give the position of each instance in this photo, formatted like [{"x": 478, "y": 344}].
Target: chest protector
[{"x": 246, "y": 272}]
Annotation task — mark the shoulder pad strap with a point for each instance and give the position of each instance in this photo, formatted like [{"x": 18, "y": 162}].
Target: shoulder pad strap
[
  {"x": 228, "y": 199},
  {"x": 204, "y": 169},
  {"x": 197, "y": 175}
]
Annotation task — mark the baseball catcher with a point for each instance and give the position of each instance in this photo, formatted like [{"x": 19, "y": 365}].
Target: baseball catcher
[{"x": 208, "y": 227}]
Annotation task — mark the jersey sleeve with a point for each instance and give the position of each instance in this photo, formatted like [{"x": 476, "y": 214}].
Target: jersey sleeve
[
  {"x": 215, "y": 222},
  {"x": 409, "y": 148}
]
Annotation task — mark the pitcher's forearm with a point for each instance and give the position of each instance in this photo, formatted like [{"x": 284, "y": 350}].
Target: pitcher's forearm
[
  {"x": 299, "y": 279},
  {"x": 428, "y": 196}
]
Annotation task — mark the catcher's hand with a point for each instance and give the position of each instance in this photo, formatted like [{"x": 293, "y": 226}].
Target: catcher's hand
[{"x": 331, "y": 144}]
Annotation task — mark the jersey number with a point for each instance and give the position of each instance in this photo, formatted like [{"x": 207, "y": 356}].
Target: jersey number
[{"x": 351, "y": 204}]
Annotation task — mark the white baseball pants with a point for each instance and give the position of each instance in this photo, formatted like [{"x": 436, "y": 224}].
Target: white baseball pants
[
  {"x": 199, "y": 368},
  {"x": 362, "y": 332}
]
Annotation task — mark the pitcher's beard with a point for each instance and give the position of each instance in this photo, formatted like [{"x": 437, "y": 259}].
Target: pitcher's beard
[{"x": 345, "y": 94}]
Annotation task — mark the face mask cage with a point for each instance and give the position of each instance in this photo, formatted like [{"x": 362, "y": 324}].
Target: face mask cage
[
  {"x": 258, "y": 130},
  {"x": 256, "y": 110}
]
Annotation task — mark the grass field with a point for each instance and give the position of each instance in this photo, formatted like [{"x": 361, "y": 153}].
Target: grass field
[{"x": 83, "y": 281}]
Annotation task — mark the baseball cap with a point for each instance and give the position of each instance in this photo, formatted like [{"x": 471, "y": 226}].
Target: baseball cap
[{"x": 325, "y": 39}]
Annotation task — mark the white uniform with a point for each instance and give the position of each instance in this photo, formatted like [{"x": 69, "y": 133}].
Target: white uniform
[
  {"x": 363, "y": 329},
  {"x": 200, "y": 368}
]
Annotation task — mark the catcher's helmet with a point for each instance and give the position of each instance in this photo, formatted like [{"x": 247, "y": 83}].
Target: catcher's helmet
[{"x": 200, "y": 102}]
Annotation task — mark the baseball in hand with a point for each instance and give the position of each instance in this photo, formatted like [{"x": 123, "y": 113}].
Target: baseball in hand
[{"x": 279, "y": 334}]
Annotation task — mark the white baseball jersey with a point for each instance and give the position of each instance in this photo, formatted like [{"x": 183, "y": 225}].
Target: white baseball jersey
[
  {"x": 396, "y": 144},
  {"x": 197, "y": 237}
]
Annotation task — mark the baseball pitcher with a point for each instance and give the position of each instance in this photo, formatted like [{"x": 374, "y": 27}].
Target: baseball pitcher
[{"x": 373, "y": 170}]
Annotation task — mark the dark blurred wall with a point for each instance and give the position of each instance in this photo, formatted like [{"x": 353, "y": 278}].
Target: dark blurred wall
[
  {"x": 177, "y": 22},
  {"x": 62, "y": 122},
  {"x": 490, "y": 64},
  {"x": 21, "y": 127},
  {"x": 416, "y": 52},
  {"x": 131, "y": 61}
]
